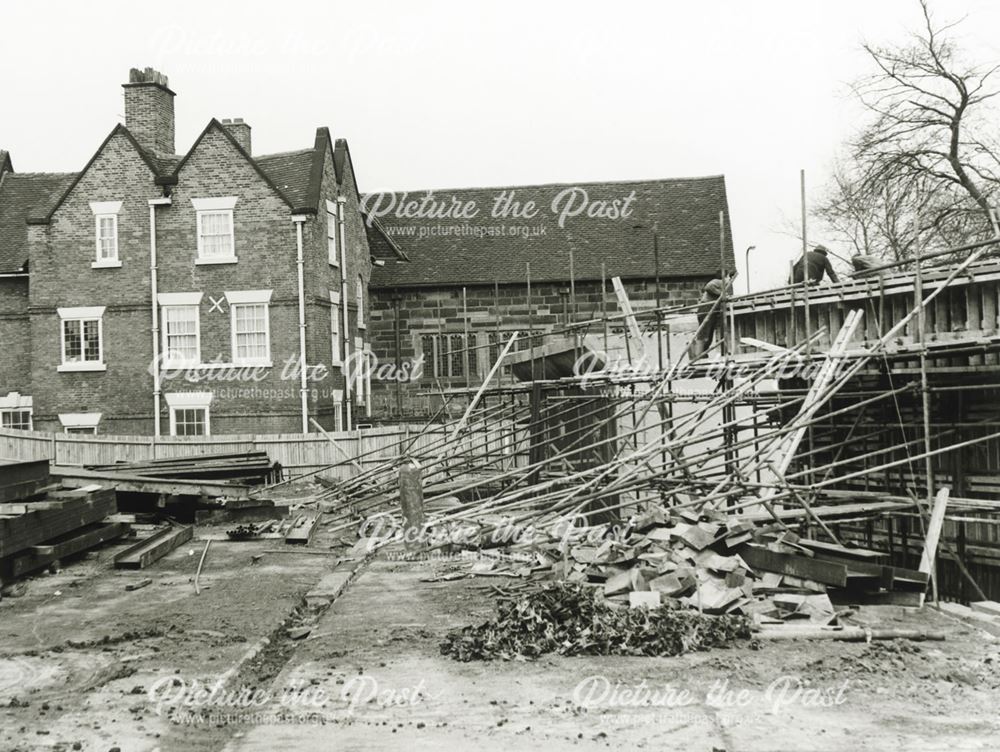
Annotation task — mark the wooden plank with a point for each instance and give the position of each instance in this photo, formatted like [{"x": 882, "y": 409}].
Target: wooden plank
[
  {"x": 986, "y": 607},
  {"x": 841, "y": 551},
  {"x": 77, "y": 476},
  {"x": 54, "y": 519},
  {"x": 22, "y": 480},
  {"x": 826, "y": 572},
  {"x": 626, "y": 305},
  {"x": 80, "y": 540},
  {"x": 881, "y": 598},
  {"x": 829, "y": 511},
  {"x": 934, "y": 531},
  {"x": 154, "y": 548},
  {"x": 302, "y": 529}
]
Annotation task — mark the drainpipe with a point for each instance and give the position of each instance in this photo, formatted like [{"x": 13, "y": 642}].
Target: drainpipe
[
  {"x": 348, "y": 409},
  {"x": 153, "y": 203},
  {"x": 299, "y": 219}
]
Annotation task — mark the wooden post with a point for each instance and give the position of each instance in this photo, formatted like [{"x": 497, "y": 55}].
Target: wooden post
[
  {"x": 929, "y": 557},
  {"x": 411, "y": 499}
]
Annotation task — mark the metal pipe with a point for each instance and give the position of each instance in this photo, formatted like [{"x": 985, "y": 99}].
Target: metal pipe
[
  {"x": 346, "y": 333},
  {"x": 299, "y": 220},
  {"x": 155, "y": 309},
  {"x": 746, "y": 257}
]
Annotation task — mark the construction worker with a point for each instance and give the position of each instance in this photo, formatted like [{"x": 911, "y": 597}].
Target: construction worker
[
  {"x": 816, "y": 263},
  {"x": 709, "y": 314},
  {"x": 863, "y": 263}
]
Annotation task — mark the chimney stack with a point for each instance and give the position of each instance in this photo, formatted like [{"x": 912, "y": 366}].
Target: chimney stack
[
  {"x": 240, "y": 131},
  {"x": 149, "y": 110}
]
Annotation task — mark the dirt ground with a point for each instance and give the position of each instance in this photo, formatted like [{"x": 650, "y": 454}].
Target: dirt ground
[{"x": 85, "y": 664}]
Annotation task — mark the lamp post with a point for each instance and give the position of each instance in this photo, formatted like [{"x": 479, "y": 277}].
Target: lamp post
[{"x": 747, "y": 258}]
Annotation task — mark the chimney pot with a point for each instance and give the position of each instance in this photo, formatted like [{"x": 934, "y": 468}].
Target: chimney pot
[
  {"x": 240, "y": 131},
  {"x": 149, "y": 110}
]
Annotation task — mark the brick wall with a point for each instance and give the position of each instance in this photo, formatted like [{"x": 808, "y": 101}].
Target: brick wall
[
  {"x": 61, "y": 276},
  {"x": 321, "y": 277},
  {"x": 432, "y": 311},
  {"x": 265, "y": 246},
  {"x": 149, "y": 116},
  {"x": 15, "y": 334}
]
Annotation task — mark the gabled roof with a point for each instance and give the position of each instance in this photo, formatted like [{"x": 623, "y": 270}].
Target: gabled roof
[
  {"x": 380, "y": 243},
  {"x": 26, "y": 198},
  {"x": 23, "y": 195},
  {"x": 46, "y": 217},
  {"x": 215, "y": 125},
  {"x": 484, "y": 249},
  {"x": 341, "y": 160}
]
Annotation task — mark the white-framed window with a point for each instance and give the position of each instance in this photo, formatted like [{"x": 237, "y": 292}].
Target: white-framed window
[
  {"x": 361, "y": 371},
  {"x": 333, "y": 252},
  {"x": 181, "y": 335},
  {"x": 106, "y": 234},
  {"x": 85, "y": 423},
  {"x": 360, "y": 297},
  {"x": 336, "y": 344},
  {"x": 368, "y": 378},
  {"x": 19, "y": 418},
  {"x": 81, "y": 336},
  {"x": 15, "y": 411},
  {"x": 216, "y": 237},
  {"x": 338, "y": 409},
  {"x": 251, "y": 326},
  {"x": 189, "y": 413},
  {"x": 180, "y": 328}
]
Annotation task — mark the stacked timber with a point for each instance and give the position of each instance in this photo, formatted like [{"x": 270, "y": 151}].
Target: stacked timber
[
  {"x": 245, "y": 468},
  {"x": 42, "y": 523}
]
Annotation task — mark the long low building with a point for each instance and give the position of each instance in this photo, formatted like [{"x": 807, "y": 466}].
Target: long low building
[{"x": 485, "y": 262}]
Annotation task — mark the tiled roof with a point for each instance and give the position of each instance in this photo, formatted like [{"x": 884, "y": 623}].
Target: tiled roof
[
  {"x": 488, "y": 249},
  {"x": 380, "y": 244},
  {"x": 24, "y": 195},
  {"x": 290, "y": 172}
]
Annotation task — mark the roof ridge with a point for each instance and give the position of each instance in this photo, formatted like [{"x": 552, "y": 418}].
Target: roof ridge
[
  {"x": 285, "y": 153},
  {"x": 719, "y": 176},
  {"x": 44, "y": 174}
]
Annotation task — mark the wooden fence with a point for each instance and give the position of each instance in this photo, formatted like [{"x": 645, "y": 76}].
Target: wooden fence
[
  {"x": 298, "y": 453},
  {"x": 966, "y": 313}
]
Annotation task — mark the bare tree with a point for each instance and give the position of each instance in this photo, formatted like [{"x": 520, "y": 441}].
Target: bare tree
[{"x": 923, "y": 172}]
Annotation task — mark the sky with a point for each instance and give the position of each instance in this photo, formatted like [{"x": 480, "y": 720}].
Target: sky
[{"x": 456, "y": 94}]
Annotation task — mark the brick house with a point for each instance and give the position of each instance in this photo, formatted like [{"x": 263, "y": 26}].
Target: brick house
[
  {"x": 470, "y": 252},
  {"x": 162, "y": 293}
]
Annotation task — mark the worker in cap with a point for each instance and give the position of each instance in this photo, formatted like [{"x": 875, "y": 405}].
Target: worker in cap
[
  {"x": 812, "y": 266},
  {"x": 709, "y": 314}
]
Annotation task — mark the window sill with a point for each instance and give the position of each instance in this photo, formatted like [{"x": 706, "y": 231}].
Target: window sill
[
  {"x": 178, "y": 365},
  {"x": 111, "y": 264},
  {"x": 74, "y": 367},
  {"x": 335, "y": 264},
  {"x": 363, "y": 326},
  {"x": 219, "y": 260},
  {"x": 251, "y": 364}
]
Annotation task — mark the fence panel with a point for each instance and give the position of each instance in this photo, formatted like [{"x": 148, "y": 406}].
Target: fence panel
[{"x": 333, "y": 455}]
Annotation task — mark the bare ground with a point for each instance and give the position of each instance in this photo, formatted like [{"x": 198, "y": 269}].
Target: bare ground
[{"x": 84, "y": 662}]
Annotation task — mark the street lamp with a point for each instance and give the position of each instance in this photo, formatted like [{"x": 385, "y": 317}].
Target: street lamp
[{"x": 747, "y": 258}]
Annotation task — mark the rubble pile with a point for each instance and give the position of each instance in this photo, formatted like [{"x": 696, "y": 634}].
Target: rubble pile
[
  {"x": 572, "y": 619},
  {"x": 729, "y": 565}
]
